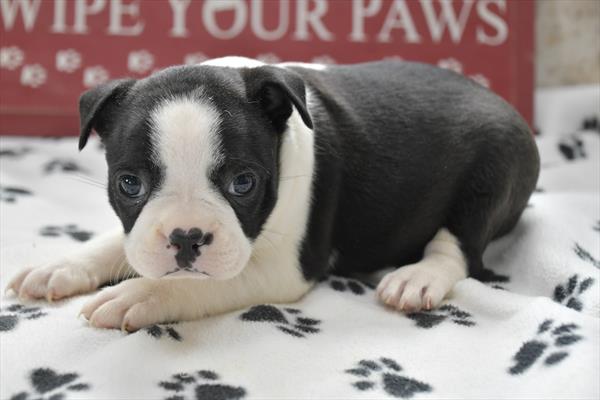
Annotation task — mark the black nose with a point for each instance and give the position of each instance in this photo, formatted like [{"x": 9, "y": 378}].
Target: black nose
[{"x": 188, "y": 245}]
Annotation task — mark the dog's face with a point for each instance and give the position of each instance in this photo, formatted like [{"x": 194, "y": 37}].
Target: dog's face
[{"x": 193, "y": 156}]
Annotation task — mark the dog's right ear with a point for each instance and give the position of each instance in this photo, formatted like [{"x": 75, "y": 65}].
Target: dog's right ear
[{"x": 94, "y": 102}]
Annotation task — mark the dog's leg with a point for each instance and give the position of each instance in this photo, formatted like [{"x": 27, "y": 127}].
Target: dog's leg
[
  {"x": 98, "y": 261},
  {"x": 426, "y": 283},
  {"x": 140, "y": 302}
]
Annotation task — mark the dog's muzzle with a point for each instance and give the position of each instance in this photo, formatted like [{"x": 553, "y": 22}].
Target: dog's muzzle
[{"x": 188, "y": 245}]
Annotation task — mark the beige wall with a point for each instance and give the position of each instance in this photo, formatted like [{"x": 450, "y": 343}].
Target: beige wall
[{"x": 567, "y": 42}]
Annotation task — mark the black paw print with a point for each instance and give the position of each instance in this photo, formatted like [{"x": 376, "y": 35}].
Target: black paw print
[
  {"x": 71, "y": 230},
  {"x": 572, "y": 148},
  {"x": 10, "y": 316},
  {"x": 429, "y": 319},
  {"x": 590, "y": 124},
  {"x": 10, "y": 194},
  {"x": 586, "y": 256},
  {"x": 63, "y": 165},
  {"x": 560, "y": 337},
  {"x": 200, "y": 385},
  {"x": 157, "y": 331},
  {"x": 351, "y": 285},
  {"x": 16, "y": 152},
  {"x": 387, "y": 375},
  {"x": 568, "y": 293},
  {"x": 49, "y": 385},
  {"x": 272, "y": 314}
]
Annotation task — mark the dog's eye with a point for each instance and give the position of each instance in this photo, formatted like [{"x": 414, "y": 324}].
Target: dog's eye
[
  {"x": 131, "y": 186},
  {"x": 242, "y": 184}
]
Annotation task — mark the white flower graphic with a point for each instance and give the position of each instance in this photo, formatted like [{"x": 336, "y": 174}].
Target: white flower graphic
[
  {"x": 93, "y": 76},
  {"x": 11, "y": 57},
  {"x": 268, "y": 58},
  {"x": 452, "y": 64},
  {"x": 324, "y": 59},
  {"x": 140, "y": 61},
  {"x": 68, "y": 60},
  {"x": 194, "y": 58},
  {"x": 393, "y": 58},
  {"x": 33, "y": 75},
  {"x": 481, "y": 79}
]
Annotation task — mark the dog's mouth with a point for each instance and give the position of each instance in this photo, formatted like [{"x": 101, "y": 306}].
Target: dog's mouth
[{"x": 178, "y": 271}]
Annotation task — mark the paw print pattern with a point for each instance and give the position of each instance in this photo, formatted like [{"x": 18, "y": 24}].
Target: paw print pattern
[
  {"x": 68, "y": 60},
  {"x": 586, "y": 256},
  {"x": 452, "y": 64},
  {"x": 385, "y": 373},
  {"x": 140, "y": 61},
  {"x": 201, "y": 385},
  {"x": 10, "y": 194},
  {"x": 591, "y": 124},
  {"x": 195, "y": 58},
  {"x": 559, "y": 338},
  {"x": 11, "y": 57},
  {"x": 349, "y": 285},
  {"x": 267, "y": 313},
  {"x": 324, "y": 59},
  {"x": 268, "y": 58},
  {"x": 63, "y": 165},
  {"x": 429, "y": 319},
  {"x": 481, "y": 79},
  {"x": 33, "y": 75},
  {"x": 70, "y": 230},
  {"x": 568, "y": 293},
  {"x": 10, "y": 316},
  {"x": 572, "y": 148},
  {"x": 17, "y": 152},
  {"x": 95, "y": 75},
  {"x": 158, "y": 331},
  {"x": 50, "y": 385}
]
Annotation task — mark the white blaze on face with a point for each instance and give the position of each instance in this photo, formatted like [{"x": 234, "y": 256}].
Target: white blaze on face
[{"x": 186, "y": 146}]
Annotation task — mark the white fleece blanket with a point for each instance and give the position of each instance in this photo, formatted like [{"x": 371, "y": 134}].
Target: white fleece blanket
[{"x": 533, "y": 333}]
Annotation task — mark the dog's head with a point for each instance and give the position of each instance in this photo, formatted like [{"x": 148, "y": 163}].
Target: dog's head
[{"x": 193, "y": 162}]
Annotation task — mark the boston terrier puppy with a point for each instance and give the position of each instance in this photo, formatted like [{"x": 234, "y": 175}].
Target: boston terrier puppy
[{"x": 239, "y": 183}]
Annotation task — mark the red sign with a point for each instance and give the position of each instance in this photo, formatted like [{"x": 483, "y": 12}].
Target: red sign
[{"x": 52, "y": 50}]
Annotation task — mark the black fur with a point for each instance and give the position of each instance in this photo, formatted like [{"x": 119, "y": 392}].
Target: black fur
[
  {"x": 402, "y": 149},
  {"x": 254, "y": 104}
]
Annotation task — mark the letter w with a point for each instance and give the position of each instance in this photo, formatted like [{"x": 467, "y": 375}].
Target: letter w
[
  {"x": 10, "y": 9},
  {"x": 456, "y": 26}
]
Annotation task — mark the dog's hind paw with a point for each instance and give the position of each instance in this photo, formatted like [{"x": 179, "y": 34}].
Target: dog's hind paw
[
  {"x": 425, "y": 284},
  {"x": 415, "y": 287}
]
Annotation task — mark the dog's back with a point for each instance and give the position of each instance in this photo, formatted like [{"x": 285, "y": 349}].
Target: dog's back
[{"x": 413, "y": 148}]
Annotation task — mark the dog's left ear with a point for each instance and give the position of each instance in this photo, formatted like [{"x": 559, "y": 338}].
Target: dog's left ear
[
  {"x": 93, "y": 104},
  {"x": 277, "y": 90}
]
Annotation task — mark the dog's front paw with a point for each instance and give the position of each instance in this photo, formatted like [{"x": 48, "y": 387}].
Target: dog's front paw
[
  {"x": 130, "y": 305},
  {"x": 53, "y": 281},
  {"x": 415, "y": 287}
]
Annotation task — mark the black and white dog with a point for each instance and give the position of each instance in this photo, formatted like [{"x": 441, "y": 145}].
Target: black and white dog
[{"x": 239, "y": 183}]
